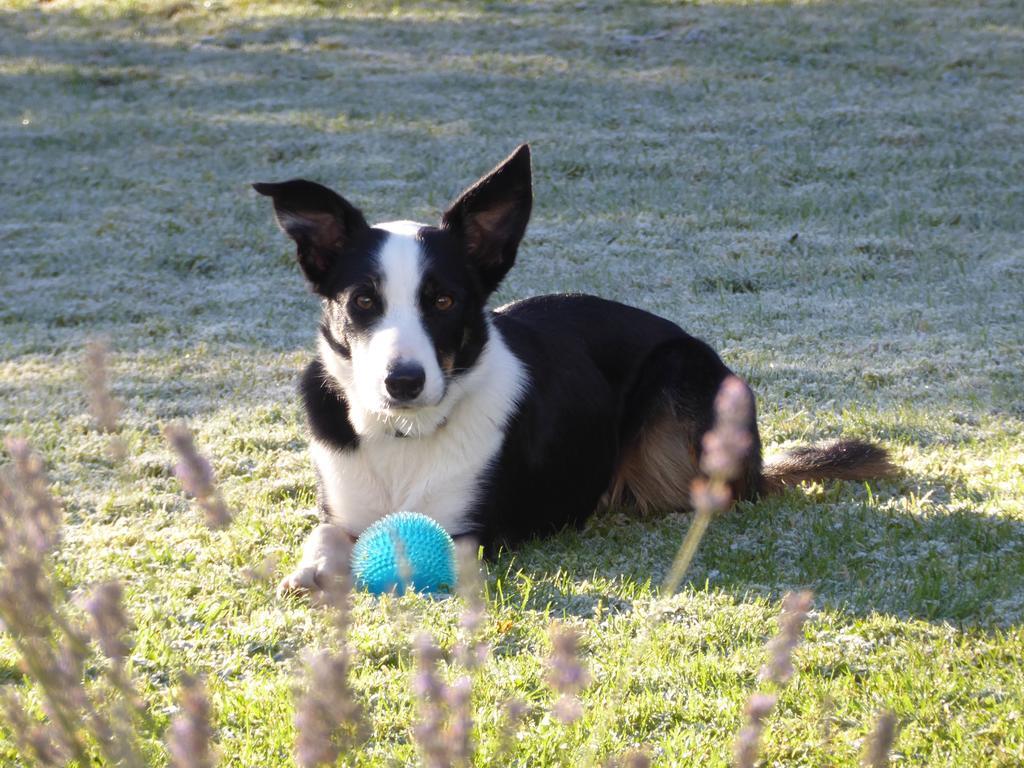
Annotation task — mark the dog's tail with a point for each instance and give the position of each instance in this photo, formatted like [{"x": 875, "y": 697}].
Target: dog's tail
[{"x": 834, "y": 460}]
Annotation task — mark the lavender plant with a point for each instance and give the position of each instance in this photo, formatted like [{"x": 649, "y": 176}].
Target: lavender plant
[
  {"x": 103, "y": 406},
  {"x": 748, "y": 741},
  {"x": 795, "y": 607},
  {"x": 444, "y": 729},
  {"x": 725, "y": 447},
  {"x": 880, "y": 742},
  {"x": 52, "y": 648},
  {"x": 329, "y": 720},
  {"x": 327, "y": 715},
  {"x": 778, "y": 670},
  {"x": 190, "y": 733},
  {"x": 195, "y": 473},
  {"x": 632, "y": 759},
  {"x": 513, "y": 713},
  {"x": 429, "y": 686},
  {"x": 471, "y": 651},
  {"x": 566, "y": 673}
]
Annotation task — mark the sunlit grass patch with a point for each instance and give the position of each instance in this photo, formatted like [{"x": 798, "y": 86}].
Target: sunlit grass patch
[{"x": 829, "y": 193}]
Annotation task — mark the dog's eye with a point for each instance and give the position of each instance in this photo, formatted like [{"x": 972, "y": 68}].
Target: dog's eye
[
  {"x": 365, "y": 301},
  {"x": 444, "y": 303}
]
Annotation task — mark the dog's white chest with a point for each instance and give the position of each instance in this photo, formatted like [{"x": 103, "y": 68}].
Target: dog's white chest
[{"x": 439, "y": 474}]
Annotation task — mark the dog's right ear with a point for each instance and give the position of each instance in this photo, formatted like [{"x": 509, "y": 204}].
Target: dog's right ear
[{"x": 318, "y": 219}]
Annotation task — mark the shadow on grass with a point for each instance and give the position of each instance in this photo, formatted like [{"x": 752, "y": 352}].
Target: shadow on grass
[
  {"x": 267, "y": 74},
  {"x": 961, "y": 567}
]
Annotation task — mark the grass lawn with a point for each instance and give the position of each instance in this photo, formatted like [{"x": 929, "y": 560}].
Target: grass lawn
[{"x": 832, "y": 194}]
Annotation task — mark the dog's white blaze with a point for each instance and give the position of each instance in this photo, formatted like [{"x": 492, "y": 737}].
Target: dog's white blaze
[
  {"x": 399, "y": 335},
  {"x": 401, "y": 227},
  {"x": 437, "y": 474}
]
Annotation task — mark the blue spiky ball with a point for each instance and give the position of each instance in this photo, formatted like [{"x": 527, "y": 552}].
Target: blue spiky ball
[{"x": 404, "y": 544}]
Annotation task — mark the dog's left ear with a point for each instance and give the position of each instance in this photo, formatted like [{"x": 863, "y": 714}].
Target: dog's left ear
[{"x": 491, "y": 216}]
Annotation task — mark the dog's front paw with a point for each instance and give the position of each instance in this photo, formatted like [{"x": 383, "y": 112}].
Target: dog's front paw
[
  {"x": 301, "y": 581},
  {"x": 323, "y": 566}
]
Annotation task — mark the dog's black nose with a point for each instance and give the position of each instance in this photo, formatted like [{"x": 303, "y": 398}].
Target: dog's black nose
[{"x": 405, "y": 381}]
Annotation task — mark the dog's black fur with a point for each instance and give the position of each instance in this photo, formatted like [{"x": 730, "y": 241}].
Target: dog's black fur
[{"x": 613, "y": 395}]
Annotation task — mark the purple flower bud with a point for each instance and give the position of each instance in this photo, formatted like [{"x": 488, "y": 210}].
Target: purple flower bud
[
  {"x": 710, "y": 496},
  {"x": 727, "y": 445},
  {"x": 195, "y": 474},
  {"x": 108, "y": 623},
  {"x": 566, "y": 674},
  {"x": 748, "y": 742},
  {"x": 328, "y": 718},
  {"x": 795, "y": 607},
  {"x": 190, "y": 733},
  {"x": 880, "y": 741},
  {"x": 567, "y": 709},
  {"x": 105, "y": 409}
]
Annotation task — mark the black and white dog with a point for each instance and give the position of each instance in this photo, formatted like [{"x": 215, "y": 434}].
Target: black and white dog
[{"x": 501, "y": 424}]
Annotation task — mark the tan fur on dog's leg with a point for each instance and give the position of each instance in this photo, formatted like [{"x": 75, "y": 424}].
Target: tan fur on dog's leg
[
  {"x": 325, "y": 556},
  {"x": 658, "y": 467}
]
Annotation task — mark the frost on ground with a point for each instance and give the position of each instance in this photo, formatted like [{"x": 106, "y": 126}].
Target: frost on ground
[{"x": 832, "y": 194}]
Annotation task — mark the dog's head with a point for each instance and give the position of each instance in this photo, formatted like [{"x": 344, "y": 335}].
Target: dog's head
[{"x": 403, "y": 302}]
